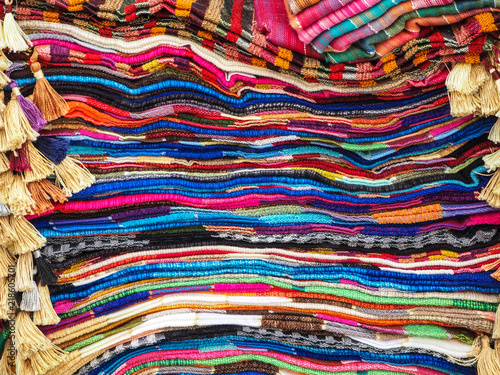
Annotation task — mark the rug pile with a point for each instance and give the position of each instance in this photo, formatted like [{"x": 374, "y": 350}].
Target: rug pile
[{"x": 250, "y": 187}]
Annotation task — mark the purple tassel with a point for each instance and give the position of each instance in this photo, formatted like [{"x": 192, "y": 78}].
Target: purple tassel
[{"x": 30, "y": 110}]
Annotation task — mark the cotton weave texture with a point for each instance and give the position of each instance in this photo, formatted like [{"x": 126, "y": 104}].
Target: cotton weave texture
[{"x": 274, "y": 187}]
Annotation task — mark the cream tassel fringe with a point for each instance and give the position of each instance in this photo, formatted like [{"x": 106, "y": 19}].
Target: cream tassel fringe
[
  {"x": 488, "y": 362},
  {"x": 72, "y": 176},
  {"x": 28, "y": 238},
  {"x": 5, "y": 368},
  {"x": 33, "y": 344},
  {"x": 41, "y": 166},
  {"x": 15, "y": 38},
  {"x": 46, "y": 316},
  {"x": 24, "y": 273}
]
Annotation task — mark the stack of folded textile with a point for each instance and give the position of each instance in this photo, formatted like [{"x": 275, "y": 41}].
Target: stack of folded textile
[{"x": 250, "y": 187}]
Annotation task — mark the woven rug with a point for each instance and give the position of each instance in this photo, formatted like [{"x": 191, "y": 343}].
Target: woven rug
[{"x": 250, "y": 187}]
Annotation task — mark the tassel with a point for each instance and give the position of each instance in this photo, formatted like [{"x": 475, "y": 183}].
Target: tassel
[
  {"x": 42, "y": 192},
  {"x": 489, "y": 98},
  {"x": 8, "y": 355},
  {"x": 24, "y": 273},
  {"x": 4, "y": 210},
  {"x": 41, "y": 166},
  {"x": 15, "y": 38},
  {"x": 4, "y": 163},
  {"x": 47, "y": 315},
  {"x": 496, "y": 327},
  {"x": 5, "y": 63},
  {"x": 31, "y": 299},
  {"x": 492, "y": 161},
  {"x": 4, "y": 300},
  {"x": 50, "y": 103},
  {"x": 461, "y": 105},
  {"x": 72, "y": 176},
  {"x": 30, "y": 340},
  {"x": 4, "y": 80},
  {"x": 47, "y": 275},
  {"x": 6, "y": 262},
  {"x": 42, "y": 200},
  {"x": 487, "y": 360},
  {"x": 494, "y": 135},
  {"x": 28, "y": 238},
  {"x": 20, "y": 201},
  {"x": 459, "y": 79},
  {"x": 20, "y": 159},
  {"x": 488, "y": 193},
  {"x": 6, "y": 181},
  {"x": 3, "y": 44},
  {"x": 55, "y": 149},
  {"x": 478, "y": 75},
  {"x": 17, "y": 127},
  {"x": 24, "y": 367},
  {"x": 7, "y": 236},
  {"x": 30, "y": 110},
  {"x": 4, "y": 143},
  {"x": 45, "y": 360},
  {"x": 2, "y": 101}
]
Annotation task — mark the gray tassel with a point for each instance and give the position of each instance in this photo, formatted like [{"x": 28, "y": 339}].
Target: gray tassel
[
  {"x": 4, "y": 210},
  {"x": 31, "y": 299}
]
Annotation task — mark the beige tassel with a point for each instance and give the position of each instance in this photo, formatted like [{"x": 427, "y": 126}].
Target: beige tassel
[
  {"x": 489, "y": 98},
  {"x": 20, "y": 200},
  {"x": 41, "y": 166},
  {"x": 459, "y": 79},
  {"x": 6, "y": 262},
  {"x": 4, "y": 163},
  {"x": 488, "y": 362},
  {"x": 492, "y": 161},
  {"x": 4, "y": 80},
  {"x": 45, "y": 360},
  {"x": 479, "y": 74},
  {"x": 6, "y": 181},
  {"x": 2, "y": 105},
  {"x": 4, "y": 146},
  {"x": 5, "y": 63},
  {"x": 50, "y": 103},
  {"x": 24, "y": 367},
  {"x": 496, "y": 327},
  {"x": 488, "y": 193},
  {"x": 4, "y": 300},
  {"x": 17, "y": 127},
  {"x": 461, "y": 105},
  {"x": 24, "y": 272},
  {"x": 28, "y": 238},
  {"x": 5, "y": 367},
  {"x": 47, "y": 315},
  {"x": 494, "y": 135},
  {"x": 7, "y": 235},
  {"x": 30, "y": 340},
  {"x": 3, "y": 44},
  {"x": 72, "y": 176},
  {"x": 16, "y": 39}
]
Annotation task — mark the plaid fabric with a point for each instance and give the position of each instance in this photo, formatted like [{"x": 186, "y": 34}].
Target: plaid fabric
[
  {"x": 322, "y": 9},
  {"x": 353, "y": 16},
  {"x": 389, "y": 39},
  {"x": 383, "y": 24}
]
